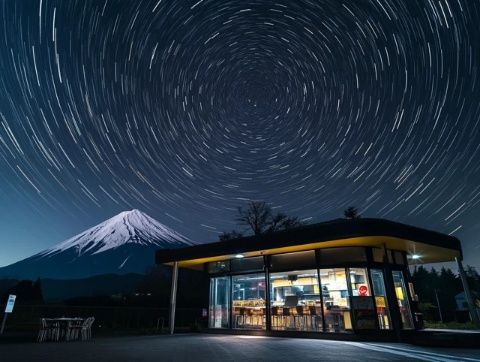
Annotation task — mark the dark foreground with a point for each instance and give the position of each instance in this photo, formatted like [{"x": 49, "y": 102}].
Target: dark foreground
[{"x": 204, "y": 347}]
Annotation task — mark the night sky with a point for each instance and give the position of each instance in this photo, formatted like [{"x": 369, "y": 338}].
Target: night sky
[{"x": 188, "y": 109}]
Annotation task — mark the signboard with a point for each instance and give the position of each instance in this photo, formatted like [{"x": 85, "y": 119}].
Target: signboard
[
  {"x": 10, "y": 303},
  {"x": 363, "y": 290},
  {"x": 380, "y": 302},
  {"x": 364, "y": 314}
]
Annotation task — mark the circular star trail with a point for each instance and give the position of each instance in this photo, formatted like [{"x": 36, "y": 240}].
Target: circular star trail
[{"x": 188, "y": 109}]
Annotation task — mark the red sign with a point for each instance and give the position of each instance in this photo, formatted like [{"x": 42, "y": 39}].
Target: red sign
[{"x": 363, "y": 290}]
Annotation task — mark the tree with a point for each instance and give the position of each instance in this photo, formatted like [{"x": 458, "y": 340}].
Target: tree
[
  {"x": 257, "y": 216},
  {"x": 281, "y": 221},
  {"x": 351, "y": 212},
  {"x": 260, "y": 219},
  {"x": 229, "y": 235}
]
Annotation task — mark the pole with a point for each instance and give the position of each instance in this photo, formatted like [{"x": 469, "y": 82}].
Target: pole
[
  {"x": 473, "y": 311},
  {"x": 438, "y": 305},
  {"x": 3, "y": 323},
  {"x": 173, "y": 296}
]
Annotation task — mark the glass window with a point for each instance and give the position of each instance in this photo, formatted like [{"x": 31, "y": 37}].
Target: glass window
[
  {"x": 342, "y": 255},
  {"x": 363, "y": 307},
  {"x": 301, "y": 259},
  {"x": 378, "y": 255},
  {"x": 295, "y": 301},
  {"x": 380, "y": 293},
  {"x": 398, "y": 257},
  {"x": 219, "y": 301},
  {"x": 218, "y": 266},
  {"x": 335, "y": 300},
  {"x": 402, "y": 299},
  {"x": 247, "y": 264},
  {"x": 248, "y": 301}
]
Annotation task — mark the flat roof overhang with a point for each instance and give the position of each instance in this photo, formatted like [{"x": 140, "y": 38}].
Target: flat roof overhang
[{"x": 429, "y": 246}]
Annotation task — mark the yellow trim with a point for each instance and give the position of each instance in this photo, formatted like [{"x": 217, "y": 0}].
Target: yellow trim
[{"x": 428, "y": 253}]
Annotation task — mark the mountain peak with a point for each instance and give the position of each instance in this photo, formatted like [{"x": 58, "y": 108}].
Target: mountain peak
[{"x": 127, "y": 227}]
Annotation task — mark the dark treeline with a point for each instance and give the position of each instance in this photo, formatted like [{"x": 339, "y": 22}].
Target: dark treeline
[{"x": 439, "y": 288}]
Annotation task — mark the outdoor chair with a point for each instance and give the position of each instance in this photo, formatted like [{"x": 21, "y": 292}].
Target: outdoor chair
[
  {"x": 48, "y": 331},
  {"x": 73, "y": 330},
  {"x": 86, "y": 332}
]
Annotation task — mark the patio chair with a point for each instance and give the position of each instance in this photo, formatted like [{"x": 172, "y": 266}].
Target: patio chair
[
  {"x": 44, "y": 331},
  {"x": 73, "y": 329},
  {"x": 48, "y": 331},
  {"x": 86, "y": 332}
]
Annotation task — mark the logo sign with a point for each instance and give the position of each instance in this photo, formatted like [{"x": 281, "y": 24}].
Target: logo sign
[
  {"x": 363, "y": 290},
  {"x": 10, "y": 303}
]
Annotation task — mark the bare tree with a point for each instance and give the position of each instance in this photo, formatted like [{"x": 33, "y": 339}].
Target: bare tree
[
  {"x": 256, "y": 216},
  {"x": 229, "y": 235},
  {"x": 351, "y": 212},
  {"x": 260, "y": 219},
  {"x": 281, "y": 221}
]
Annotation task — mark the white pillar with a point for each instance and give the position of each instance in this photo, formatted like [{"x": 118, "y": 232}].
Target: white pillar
[
  {"x": 468, "y": 296},
  {"x": 173, "y": 296}
]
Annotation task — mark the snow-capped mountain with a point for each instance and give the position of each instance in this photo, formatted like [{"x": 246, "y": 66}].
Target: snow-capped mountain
[{"x": 125, "y": 243}]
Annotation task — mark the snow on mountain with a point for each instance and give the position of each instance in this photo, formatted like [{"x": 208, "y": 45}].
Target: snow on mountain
[
  {"x": 128, "y": 227},
  {"x": 125, "y": 243}
]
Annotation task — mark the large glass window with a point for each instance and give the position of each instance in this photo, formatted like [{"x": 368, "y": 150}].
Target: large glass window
[
  {"x": 335, "y": 299},
  {"x": 295, "y": 301},
  {"x": 219, "y": 301},
  {"x": 380, "y": 298},
  {"x": 402, "y": 299},
  {"x": 248, "y": 301}
]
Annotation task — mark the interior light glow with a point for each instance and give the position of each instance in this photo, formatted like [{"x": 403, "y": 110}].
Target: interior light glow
[{"x": 239, "y": 256}]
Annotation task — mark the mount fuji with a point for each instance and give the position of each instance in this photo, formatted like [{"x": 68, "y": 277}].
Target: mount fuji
[{"x": 123, "y": 244}]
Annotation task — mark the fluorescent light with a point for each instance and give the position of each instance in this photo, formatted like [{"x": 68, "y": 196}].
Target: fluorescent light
[{"x": 239, "y": 256}]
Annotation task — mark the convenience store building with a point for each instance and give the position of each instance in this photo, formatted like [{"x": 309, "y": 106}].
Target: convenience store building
[{"x": 338, "y": 277}]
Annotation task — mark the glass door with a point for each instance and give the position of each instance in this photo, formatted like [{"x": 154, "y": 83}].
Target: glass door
[
  {"x": 380, "y": 298},
  {"x": 336, "y": 300},
  {"x": 219, "y": 301},
  {"x": 248, "y": 301},
  {"x": 402, "y": 299}
]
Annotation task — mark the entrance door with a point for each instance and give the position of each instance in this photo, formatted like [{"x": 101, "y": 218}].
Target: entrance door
[{"x": 402, "y": 299}]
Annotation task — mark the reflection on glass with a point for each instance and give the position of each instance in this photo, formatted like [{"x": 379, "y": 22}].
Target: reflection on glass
[
  {"x": 335, "y": 299},
  {"x": 402, "y": 299},
  {"x": 380, "y": 298},
  {"x": 248, "y": 301},
  {"x": 219, "y": 298},
  {"x": 295, "y": 301}
]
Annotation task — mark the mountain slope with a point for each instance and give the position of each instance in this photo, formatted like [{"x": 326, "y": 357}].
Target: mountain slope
[{"x": 123, "y": 244}]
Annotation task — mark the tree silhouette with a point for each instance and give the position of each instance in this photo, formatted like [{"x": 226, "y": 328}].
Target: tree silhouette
[
  {"x": 351, "y": 212},
  {"x": 229, "y": 235},
  {"x": 257, "y": 216}
]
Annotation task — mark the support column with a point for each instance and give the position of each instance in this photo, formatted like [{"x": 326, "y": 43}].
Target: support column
[
  {"x": 173, "y": 296},
  {"x": 268, "y": 307},
  {"x": 468, "y": 296}
]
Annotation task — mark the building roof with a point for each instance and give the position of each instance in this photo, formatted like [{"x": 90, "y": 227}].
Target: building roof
[{"x": 429, "y": 245}]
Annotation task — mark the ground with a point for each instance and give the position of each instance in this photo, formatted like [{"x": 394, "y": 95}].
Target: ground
[{"x": 204, "y": 347}]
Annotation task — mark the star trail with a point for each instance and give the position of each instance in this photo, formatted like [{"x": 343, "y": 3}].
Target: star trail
[{"x": 188, "y": 109}]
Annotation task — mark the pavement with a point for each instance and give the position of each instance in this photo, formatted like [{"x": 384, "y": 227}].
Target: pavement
[{"x": 211, "y": 348}]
